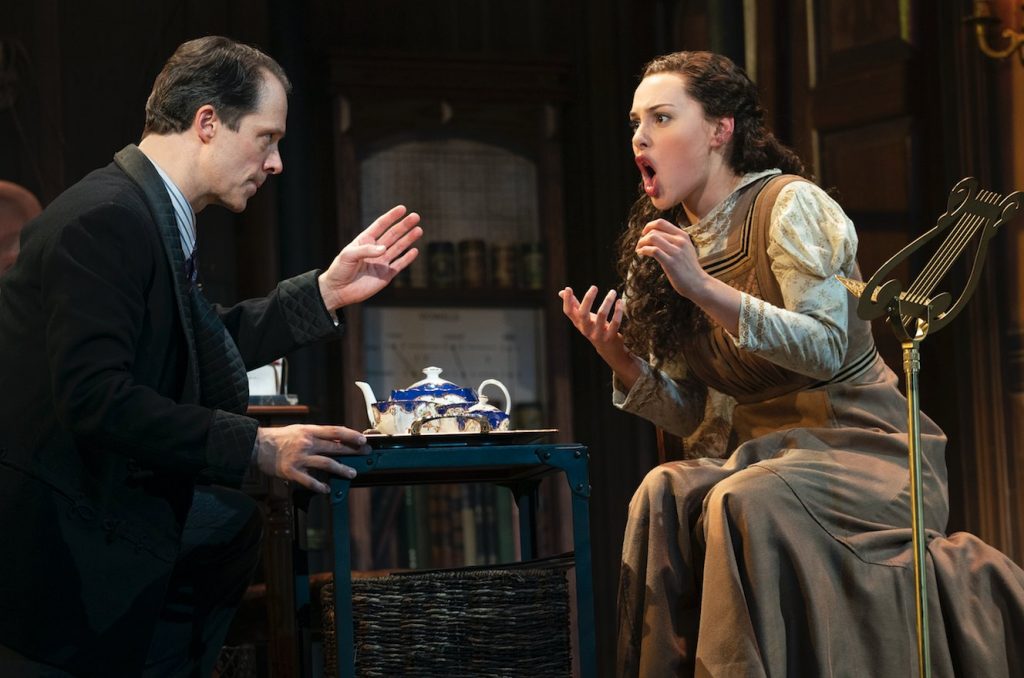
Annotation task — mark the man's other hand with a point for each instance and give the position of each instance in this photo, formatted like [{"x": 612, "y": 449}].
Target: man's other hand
[{"x": 294, "y": 452}]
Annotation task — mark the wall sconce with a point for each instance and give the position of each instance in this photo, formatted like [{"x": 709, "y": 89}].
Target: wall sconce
[{"x": 982, "y": 20}]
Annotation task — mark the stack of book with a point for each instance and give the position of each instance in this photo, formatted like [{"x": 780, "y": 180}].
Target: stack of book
[{"x": 444, "y": 526}]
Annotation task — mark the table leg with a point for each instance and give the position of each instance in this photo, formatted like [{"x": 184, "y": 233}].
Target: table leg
[
  {"x": 574, "y": 463},
  {"x": 343, "y": 625},
  {"x": 584, "y": 583},
  {"x": 525, "y": 495},
  {"x": 278, "y": 565},
  {"x": 300, "y": 558}
]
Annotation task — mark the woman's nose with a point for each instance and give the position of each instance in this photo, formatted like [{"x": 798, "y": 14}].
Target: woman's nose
[{"x": 640, "y": 137}]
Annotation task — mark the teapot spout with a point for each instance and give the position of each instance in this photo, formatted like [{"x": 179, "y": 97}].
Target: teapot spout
[{"x": 370, "y": 400}]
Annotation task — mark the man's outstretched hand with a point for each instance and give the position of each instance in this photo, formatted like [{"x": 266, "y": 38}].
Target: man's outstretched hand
[{"x": 367, "y": 264}]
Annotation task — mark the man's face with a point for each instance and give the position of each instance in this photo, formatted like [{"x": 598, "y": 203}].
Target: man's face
[{"x": 239, "y": 161}]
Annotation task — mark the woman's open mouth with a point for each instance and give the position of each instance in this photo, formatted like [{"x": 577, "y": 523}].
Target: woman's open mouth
[{"x": 647, "y": 173}]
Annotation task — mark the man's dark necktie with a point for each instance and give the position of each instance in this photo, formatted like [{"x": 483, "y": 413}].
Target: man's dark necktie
[
  {"x": 223, "y": 382},
  {"x": 192, "y": 267}
]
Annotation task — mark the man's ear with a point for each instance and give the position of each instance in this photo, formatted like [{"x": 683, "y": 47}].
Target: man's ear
[
  {"x": 723, "y": 131},
  {"x": 206, "y": 122}
]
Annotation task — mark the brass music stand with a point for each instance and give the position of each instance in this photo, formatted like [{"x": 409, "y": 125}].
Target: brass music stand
[{"x": 917, "y": 312}]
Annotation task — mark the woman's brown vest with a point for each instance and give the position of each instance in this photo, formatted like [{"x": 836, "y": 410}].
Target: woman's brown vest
[{"x": 711, "y": 354}]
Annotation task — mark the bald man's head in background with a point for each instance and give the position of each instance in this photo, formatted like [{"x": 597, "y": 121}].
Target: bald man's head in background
[{"x": 17, "y": 207}]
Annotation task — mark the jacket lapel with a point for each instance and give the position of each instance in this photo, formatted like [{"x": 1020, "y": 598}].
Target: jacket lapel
[{"x": 138, "y": 167}]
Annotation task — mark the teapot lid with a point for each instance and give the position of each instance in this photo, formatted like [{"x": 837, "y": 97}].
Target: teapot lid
[
  {"x": 433, "y": 378},
  {"x": 433, "y": 385}
]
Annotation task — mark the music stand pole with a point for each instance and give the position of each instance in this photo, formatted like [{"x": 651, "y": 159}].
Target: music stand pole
[{"x": 911, "y": 366}]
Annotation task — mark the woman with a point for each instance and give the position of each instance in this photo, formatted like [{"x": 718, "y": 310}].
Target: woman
[{"x": 792, "y": 556}]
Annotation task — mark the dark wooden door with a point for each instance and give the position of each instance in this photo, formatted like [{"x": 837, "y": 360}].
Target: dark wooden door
[{"x": 886, "y": 101}]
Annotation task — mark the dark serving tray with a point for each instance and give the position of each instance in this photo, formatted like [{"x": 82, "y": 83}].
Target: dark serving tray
[{"x": 381, "y": 441}]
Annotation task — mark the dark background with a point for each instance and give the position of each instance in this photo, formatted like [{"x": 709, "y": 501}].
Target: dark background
[{"x": 899, "y": 107}]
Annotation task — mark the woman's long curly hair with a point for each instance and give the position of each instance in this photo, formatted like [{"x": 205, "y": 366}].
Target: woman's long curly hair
[{"x": 657, "y": 312}]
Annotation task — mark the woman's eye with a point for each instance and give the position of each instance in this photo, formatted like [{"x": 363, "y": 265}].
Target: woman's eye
[
  {"x": 661, "y": 118},
  {"x": 634, "y": 125}
]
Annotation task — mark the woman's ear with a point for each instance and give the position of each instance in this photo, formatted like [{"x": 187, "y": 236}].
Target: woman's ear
[{"x": 723, "y": 132}]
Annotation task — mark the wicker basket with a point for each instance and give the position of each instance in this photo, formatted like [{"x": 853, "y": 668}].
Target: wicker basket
[
  {"x": 506, "y": 622},
  {"x": 236, "y": 661}
]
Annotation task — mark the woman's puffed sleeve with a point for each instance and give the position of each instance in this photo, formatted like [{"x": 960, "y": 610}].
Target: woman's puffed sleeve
[{"x": 810, "y": 241}]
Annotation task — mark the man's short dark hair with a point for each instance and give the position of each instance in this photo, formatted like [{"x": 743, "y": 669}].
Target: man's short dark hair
[{"x": 212, "y": 70}]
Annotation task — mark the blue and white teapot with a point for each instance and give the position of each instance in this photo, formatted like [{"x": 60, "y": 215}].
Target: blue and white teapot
[{"x": 434, "y": 405}]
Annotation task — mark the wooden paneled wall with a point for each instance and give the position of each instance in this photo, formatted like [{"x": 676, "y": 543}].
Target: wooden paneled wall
[
  {"x": 893, "y": 104},
  {"x": 1009, "y": 83}
]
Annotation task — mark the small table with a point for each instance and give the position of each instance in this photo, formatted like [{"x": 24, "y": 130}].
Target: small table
[{"x": 520, "y": 467}]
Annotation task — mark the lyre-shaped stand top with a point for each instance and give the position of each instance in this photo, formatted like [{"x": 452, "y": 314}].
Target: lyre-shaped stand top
[{"x": 920, "y": 309}]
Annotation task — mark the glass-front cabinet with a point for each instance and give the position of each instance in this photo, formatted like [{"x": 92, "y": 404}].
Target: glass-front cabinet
[{"x": 474, "y": 148}]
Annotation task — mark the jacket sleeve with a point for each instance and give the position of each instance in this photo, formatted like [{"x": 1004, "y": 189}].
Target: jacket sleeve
[{"x": 290, "y": 317}]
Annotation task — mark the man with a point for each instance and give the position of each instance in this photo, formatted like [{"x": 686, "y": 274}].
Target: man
[
  {"x": 17, "y": 207},
  {"x": 124, "y": 390}
]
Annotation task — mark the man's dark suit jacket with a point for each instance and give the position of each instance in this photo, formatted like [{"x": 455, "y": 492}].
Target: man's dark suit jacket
[{"x": 102, "y": 436}]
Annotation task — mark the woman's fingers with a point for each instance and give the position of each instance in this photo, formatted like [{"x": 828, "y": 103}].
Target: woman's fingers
[
  {"x": 656, "y": 253},
  {"x": 569, "y": 302},
  {"x": 669, "y": 242},
  {"x": 607, "y": 304},
  {"x": 588, "y": 300},
  {"x": 578, "y": 311},
  {"x": 616, "y": 321},
  {"x": 662, "y": 225},
  {"x": 599, "y": 325}
]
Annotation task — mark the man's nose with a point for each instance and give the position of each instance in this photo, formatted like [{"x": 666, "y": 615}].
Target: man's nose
[{"x": 273, "y": 163}]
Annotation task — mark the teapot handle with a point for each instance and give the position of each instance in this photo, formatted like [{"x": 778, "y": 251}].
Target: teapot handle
[{"x": 504, "y": 392}]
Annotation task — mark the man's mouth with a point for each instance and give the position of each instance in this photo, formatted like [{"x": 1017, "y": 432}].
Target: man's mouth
[{"x": 647, "y": 173}]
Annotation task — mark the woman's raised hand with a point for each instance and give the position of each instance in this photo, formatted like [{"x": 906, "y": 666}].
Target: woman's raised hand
[
  {"x": 601, "y": 328},
  {"x": 672, "y": 248}
]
